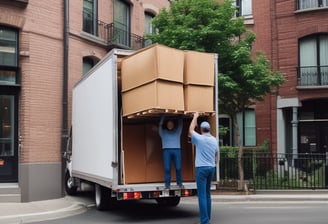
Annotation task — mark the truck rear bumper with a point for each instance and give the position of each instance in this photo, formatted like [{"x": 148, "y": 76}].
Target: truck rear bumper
[{"x": 153, "y": 191}]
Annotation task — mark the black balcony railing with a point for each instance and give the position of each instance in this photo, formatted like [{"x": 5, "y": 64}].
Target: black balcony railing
[
  {"x": 278, "y": 171},
  {"x": 313, "y": 76},
  {"x": 114, "y": 36},
  {"x": 310, "y": 4}
]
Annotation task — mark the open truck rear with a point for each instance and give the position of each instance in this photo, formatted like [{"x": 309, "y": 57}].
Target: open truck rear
[{"x": 121, "y": 154}]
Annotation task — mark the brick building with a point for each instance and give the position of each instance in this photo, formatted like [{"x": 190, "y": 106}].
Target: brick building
[
  {"x": 293, "y": 34},
  {"x": 45, "y": 48}
]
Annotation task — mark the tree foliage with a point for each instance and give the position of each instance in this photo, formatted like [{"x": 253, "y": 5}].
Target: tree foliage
[{"x": 208, "y": 26}]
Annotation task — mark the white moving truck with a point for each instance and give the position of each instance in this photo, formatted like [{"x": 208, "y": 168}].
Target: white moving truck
[{"x": 121, "y": 157}]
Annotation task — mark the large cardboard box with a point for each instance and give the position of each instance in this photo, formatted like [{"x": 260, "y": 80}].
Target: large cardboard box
[
  {"x": 158, "y": 94},
  {"x": 199, "y": 68},
  {"x": 148, "y": 64},
  {"x": 143, "y": 154},
  {"x": 134, "y": 154},
  {"x": 199, "y": 98}
]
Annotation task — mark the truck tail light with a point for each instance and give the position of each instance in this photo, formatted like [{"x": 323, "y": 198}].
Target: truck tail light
[
  {"x": 156, "y": 194},
  {"x": 185, "y": 193},
  {"x": 131, "y": 195}
]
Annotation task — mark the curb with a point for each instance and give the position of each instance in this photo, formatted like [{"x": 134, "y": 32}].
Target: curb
[
  {"x": 74, "y": 209},
  {"x": 271, "y": 197}
]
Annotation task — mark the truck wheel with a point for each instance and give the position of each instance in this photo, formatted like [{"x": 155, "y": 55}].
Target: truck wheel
[
  {"x": 168, "y": 202},
  {"x": 69, "y": 185},
  {"x": 103, "y": 198}
]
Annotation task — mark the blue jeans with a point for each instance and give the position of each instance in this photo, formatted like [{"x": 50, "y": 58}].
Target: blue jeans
[
  {"x": 168, "y": 156},
  {"x": 204, "y": 176}
]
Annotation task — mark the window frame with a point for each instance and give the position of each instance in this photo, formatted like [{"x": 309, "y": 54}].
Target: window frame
[
  {"x": 94, "y": 20},
  {"x": 318, "y": 4},
  {"x": 239, "y": 4},
  {"x": 320, "y": 77},
  {"x": 12, "y": 68},
  {"x": 244, "y": 130},
  {"x": 123, "y": 31},
  {"x": 90, "y": 62}
]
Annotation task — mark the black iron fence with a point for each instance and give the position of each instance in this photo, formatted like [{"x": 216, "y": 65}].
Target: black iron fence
[{"x": 277, "y": 171}]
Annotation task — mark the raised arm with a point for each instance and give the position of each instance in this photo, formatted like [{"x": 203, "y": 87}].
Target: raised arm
[
  {"x": 160, "y": 131},
  {"x": 193, "y": 123}
]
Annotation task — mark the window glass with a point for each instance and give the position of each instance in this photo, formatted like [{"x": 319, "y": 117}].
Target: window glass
[
  {"x": 90, "y": 16},
  {"x": 87, "y": 64},
  {"x": 8, "y": 47},
  {"x": 324, "y": 59},
  {"x": 244, "y": 7},
  {"x": 122, "y": 22},
  {"x": 247, "y": 127},
  {"x": 250, "y": 131},
  {"x": 149, "y": 28},
  {"x": 313, "y": 60},
  {"x": 7, "y": 125},
  {"x": 306, "y": 4},
  {"x": 8, "y": 55}
]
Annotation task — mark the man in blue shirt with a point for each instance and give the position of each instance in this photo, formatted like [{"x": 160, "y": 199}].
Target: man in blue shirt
[
  {"x": 207, "y": 149},
  {"x": 171, "y": 149}
]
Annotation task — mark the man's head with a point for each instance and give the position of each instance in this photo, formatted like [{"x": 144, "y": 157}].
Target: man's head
[
  {"x": 169, "y": 125},
  {"x": 205, "y": 127}
]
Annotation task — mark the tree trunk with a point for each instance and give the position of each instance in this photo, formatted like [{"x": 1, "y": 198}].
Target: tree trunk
[{"x": 241, "y": 183}]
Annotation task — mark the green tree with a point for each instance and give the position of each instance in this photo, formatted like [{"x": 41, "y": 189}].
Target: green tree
[{"x": 208, "y": 26}]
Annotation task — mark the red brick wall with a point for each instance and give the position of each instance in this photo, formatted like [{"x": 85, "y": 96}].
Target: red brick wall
[
  {"x": 41, "y": 61},
  {"x": 281, "y": 47}
]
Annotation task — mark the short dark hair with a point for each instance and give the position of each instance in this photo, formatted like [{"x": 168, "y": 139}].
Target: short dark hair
[{"x": 205, "y": 130}]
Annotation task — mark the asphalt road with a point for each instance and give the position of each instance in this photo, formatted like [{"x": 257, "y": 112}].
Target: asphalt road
[{"x": 251, "y": 212}]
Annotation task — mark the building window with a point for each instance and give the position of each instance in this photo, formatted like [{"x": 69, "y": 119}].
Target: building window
[
  {"x": 244, "y": 7},
  {"x": 8, "y": 56},
  {"x": 88, "y": 63},
  {"x": 247, "y": 127},
  {"x": 122, "y": 22},
  {"x": 313, "y": 60},
  {"x": 149, "y": 28},
  {"x": 90, "y": 16},
  {"x": 310, "y": 4}
]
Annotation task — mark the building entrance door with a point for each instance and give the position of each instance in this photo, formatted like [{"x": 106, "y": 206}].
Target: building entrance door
[{"x": 8, "y": 139}]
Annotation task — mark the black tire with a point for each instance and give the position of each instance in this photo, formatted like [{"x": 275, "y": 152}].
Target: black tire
[
  {"x": 168, "y": 202},
  {"x": 69, "y": 187},
  {"x": 103, "y": 198}
]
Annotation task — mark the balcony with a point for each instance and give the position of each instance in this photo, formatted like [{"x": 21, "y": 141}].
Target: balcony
[
  {"x": 313, "y": 76},
  {"x": 115, "y": 37}
]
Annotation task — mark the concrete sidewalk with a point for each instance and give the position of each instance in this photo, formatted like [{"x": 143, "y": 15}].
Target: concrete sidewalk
[{"x": 19, "y": 213}]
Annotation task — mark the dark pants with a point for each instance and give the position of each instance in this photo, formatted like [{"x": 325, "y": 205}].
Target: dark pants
[
  {"x": 168, "y": 156},
  {"x": 204, "y": 176}
]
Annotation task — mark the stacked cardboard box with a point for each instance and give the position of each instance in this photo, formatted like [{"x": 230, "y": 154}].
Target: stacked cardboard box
[
  {"x": 199, "y": 81},
  {"x": 159, "y": 77},
  {"x": 153, "y": 78}
]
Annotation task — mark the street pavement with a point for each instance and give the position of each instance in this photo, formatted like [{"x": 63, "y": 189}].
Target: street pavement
[{"x": 29, "y": 212}]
